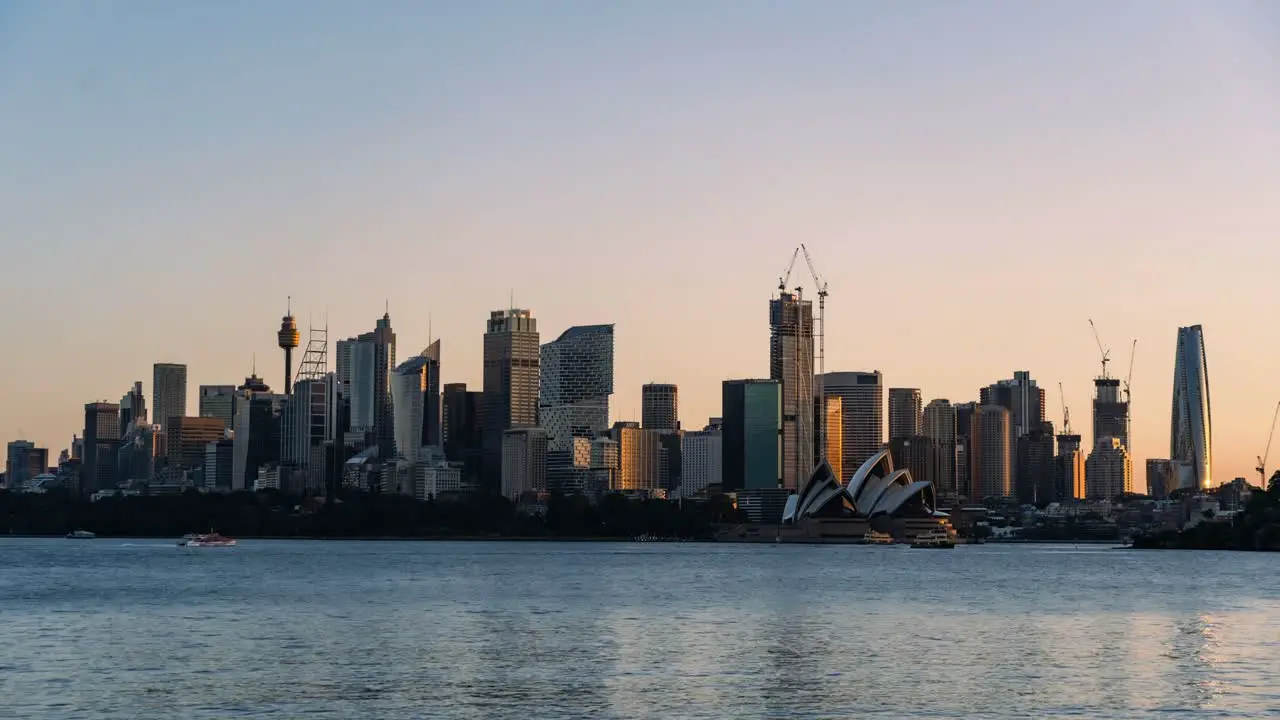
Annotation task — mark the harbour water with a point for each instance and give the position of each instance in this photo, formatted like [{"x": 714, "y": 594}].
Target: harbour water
[{"x": 291, "y": 629}]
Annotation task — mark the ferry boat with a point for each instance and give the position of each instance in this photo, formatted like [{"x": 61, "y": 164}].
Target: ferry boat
[
  {"x": 210, "y": 540},
  {"x": 80, "y": 535},
  {"x": 935, "y": 538},
  {"x": 871, "y": 537}
]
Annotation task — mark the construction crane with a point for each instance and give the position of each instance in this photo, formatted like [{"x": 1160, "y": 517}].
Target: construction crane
[
  {"x": 1066, "y": 413},
  {"x": 1129, "y": 377},
  {"x": 786, "y": 277},
  {"x": 1106, "y": 354},
  {"x": 1262, "y": 459},
  {"x": 818, "y": 390}
]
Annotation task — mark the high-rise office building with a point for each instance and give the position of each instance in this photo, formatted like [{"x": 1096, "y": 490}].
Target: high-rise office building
[
  {"x": 575, "y": 382},
  {"x": 511, "y": 384},
  {"x": 1110, "y": 412},
  {"x": 751, "y": 435},
  {"x": 1022, "y": 397},
  {"x": 1069, "y": 480},
  {"x": 862, "y": 415},
  {"x": 257, "y": 431},
  {"x": 133, "y": 408},
  {"x": 640, "y": 457},
  {"x": 218, "y": 401},
  {"x": 906, "y": 413},
  {"x": 524, "y": 461},
  {"x": 308, "y": 428},
  {"x": 940, "y": 427},
  {"x": 1191, "y": 427},
  {"x": 461, "y": 426},
  {"x": 168, "y": 392},
  {"x": 791, "y": 364},
  {"x": 1108, "y": 471},
  {"x": 187, "y": 438},
  {"x": 1035, "y": 473},
  {"x": 368, "y": 360},
  {"x": 916, "y": 455},
  {"x": 23, "y": 462},
  {"x": 659, "y": 406},
  {"x": 701, "y": 453},
  {"x": 965, "y": 413},
  {"x": 1161, "y": 479},
  {"x": 101, "y": 442},
  {"x": 991, "y": 455},
  {"x": 832, "y": 406},
  {"x": 415, "y": 401}
]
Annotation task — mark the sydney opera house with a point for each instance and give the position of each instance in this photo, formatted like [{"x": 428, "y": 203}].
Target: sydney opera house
[{"x": 876, "y": 497}]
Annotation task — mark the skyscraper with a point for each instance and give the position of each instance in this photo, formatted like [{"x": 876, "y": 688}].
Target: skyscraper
[
  {"x": 23, "y": 462},
  {"x": 991, "y": 455},
  {"x": 1108, "y": 471},
  {"x": 1110, "y": 413},
  {"x": 1034, "y": 472},
  {"x": 965, "y": 413},
  {"x": 832, "y": 406},
  {"x": 1022, "y": 397},
  {"x": 751, "y": 436},
  {"x": 257, "y": 431},
  {"x": 462, "y": 416},
  {"x": 575, "y": 382},
  {"x": 906, "y": 413},
  {"x": 511, "y": 379},
  {"x": 640, "y": 456},
  {"x": 308, "y": 421},
  {"x": 1191, "y": 426},
  {"x": 940, "y": 427},
  {"x": 791, "y": 364},
  {"x": 133, "y": 408},
  {"x": 1069, "y": 480},
  {"x": 659, "y": 407},
  {"x": 168, "y": 392},
  {"x": 218, "y": 401},
  {"x": 187, "y": 438},
  {"x": 701, "y": 453},
  {"x": 524, "y": 461},
  {"x": 101, "y": 443},
  {"x": 862, "y": 415},
  {"x": 369, "y": 360}
]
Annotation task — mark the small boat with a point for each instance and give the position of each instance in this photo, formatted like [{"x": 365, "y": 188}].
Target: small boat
[
  {"x": 871, "y": 537},
  {"x": 210, "y": 540},
  {"x": 935, "y": 538},
  {"x": 80, "y": 535}
]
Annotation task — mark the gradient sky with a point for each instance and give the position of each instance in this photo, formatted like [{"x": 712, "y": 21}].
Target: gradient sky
[{"x": 975, "y": 179}]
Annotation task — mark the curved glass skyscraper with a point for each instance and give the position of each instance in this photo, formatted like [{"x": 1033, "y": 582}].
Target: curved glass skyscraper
[{"x": 1191, "y": 429}]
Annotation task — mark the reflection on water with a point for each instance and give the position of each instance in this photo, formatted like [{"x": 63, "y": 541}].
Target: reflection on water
[{"x": 509, "y": 630}]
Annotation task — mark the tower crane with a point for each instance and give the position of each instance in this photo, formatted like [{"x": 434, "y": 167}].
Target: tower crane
[
  {"x": 786, "y": 277},
  {"x": 1066, "y": 413},
  {"x": 1106, "y": 354},
  {"x": 1129, "y": 377},
  {"x": 820, "y": 283},
  {"x": 1262, "y": 459}
]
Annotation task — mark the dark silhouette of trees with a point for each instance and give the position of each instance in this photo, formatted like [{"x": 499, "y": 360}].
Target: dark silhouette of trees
[{"x": 357, "y": 515}]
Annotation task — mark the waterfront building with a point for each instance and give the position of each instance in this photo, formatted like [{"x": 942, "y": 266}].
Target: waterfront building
[
  {"x": 939, "y": 419},
  {"x": 524, "y": 461},
  {"x": 991, "y": 458},
  {"x": 701, "y": 454},
  {"x": 1108, "y": 471}
]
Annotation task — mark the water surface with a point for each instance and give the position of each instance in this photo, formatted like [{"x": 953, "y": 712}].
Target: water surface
[{"x": 292, "y": 629}]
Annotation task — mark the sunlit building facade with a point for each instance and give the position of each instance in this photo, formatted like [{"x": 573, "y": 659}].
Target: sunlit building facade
[{"x": 1191, "y": 426}]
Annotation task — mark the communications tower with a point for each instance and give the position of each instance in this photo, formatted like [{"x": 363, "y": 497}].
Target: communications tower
[{"x": 288, "y": 339}]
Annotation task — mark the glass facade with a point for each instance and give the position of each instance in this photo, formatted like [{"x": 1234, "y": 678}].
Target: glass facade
[{"x": 752, "y": 434}]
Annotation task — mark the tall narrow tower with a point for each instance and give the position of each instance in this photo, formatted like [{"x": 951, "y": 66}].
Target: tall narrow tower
[{"x": 288, "y": 339}]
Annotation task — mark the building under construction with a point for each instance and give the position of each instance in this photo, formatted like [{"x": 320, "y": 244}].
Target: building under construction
[{"x": 791, "y": 364}]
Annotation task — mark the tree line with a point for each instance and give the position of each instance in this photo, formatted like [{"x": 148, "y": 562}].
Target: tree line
[{"x": 355, "y": 514}]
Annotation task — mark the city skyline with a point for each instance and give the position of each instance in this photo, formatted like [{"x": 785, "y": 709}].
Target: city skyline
[{"x": 891, "y": 173}]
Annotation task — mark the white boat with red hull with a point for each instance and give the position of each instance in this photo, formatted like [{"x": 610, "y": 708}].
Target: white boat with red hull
[{"x": 209, "y": 540}]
